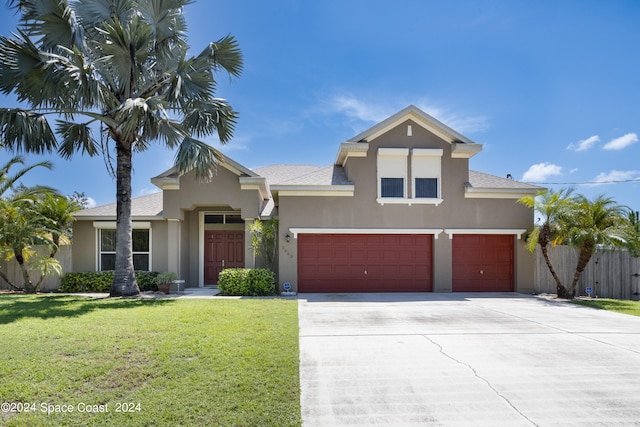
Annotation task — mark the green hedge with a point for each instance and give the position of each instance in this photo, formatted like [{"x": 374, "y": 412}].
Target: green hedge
[
  {"x": 100, "y": 281},
  {"x": 246, "y": 282}
]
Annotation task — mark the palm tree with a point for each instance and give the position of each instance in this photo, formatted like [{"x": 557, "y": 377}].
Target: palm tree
[
  {"x": 9, "y": 182},
  {"x": 58, "y": 211},
  {"x": 22, "y": 228},
  {"x": 122, "y": 65},
  {"x": 552, "y": 207},
  {"x": 593, "y": 223}
]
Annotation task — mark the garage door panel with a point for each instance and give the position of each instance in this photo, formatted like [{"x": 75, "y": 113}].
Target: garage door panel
[
  {"x": 483, "y": 263},
  {"x": 365, "y": 263}
]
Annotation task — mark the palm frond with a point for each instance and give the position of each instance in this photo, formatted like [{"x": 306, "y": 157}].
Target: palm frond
[
  {"x": 203, "y": 118},
  {"x": 76, "y": 137},
  {"x": 225, "y": 55},
  {"x": 194, "y": 155},
  {"x": 93, "y": 13},
  {"x": 23, "y": 130},
  {"x": 52, "y": 22}
]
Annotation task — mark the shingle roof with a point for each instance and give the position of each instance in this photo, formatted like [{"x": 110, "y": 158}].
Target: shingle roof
[
  {"x": 277, "y": 174},
  {"x": 484, "y": 180},
  {"x": 144, "y": 206},
  {"x": 329, "y": 175}
]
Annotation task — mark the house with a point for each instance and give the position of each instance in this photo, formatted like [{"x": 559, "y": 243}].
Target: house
[{"x": 398, "y": 210}]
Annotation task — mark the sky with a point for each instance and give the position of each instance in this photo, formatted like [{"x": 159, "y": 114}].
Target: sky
[{"x": 550, "y": 88}]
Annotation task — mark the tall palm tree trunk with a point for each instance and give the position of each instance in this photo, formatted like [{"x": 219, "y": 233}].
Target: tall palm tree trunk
[
  {"x": 26, "y": 280},
  {"x": 583, "y": 259},
  {"x": 124, "y": 279},
  {"x": 560, "y": 289}
]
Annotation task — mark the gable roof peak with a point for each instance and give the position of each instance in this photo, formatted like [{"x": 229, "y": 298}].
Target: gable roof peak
[{"x": 420, "y": 117}]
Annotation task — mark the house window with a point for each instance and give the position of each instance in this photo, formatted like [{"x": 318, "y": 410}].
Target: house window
[
  {"x": 141, "y": 249},
  {"x": 393, "y": 168},
  {"x": 107, "y": 250},
  {"x": 391, "y": 187},
  {"x": 223, "y": 219},
  {"x": 426, "y": 187},
  {"x": 426, "y": 171}
]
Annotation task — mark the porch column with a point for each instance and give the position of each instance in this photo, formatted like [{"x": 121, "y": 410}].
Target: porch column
[
  {"x": 174, "y": 249},
  {"x": 250, "y": 258}
]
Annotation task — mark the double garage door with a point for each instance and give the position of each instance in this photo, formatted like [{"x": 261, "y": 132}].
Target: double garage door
[{"x": 401, "y": 263}]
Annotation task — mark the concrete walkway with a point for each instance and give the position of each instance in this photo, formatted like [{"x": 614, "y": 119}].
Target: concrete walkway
[{"x": 465, "y": 359}]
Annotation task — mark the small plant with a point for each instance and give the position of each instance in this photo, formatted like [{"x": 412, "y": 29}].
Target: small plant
[{"x": 164, "y": 280}]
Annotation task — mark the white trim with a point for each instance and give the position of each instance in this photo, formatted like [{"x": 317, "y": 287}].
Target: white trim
[
  {"x": 112, "y": 224},
  {"x": 464, "y": 150},
  {"x": 403, "y": 201},
  {"x": 351, "y": 149},
  {"x": 382, "y": 151},
  {"x": 315, "y": 190},
  {"x": 98, "y": 260},
  {"x": 497, "y": 193},
  {"x": 517, "y": 231},
  {"x": 303, "y": 230},
  {"x": 201, "y": 215}
]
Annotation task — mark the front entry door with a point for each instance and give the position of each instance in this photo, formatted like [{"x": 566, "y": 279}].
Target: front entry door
[{"x": 222, "y": 249}]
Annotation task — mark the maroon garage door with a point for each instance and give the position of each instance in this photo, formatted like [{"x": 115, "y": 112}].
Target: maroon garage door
[
  {"x": 482, "y": 263},
  {"x": 364, "y": 263}
]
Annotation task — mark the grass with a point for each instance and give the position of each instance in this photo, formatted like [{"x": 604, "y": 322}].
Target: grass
[
  {"x": 183, "y": 362},
  {"x": 620, "y": 306}
]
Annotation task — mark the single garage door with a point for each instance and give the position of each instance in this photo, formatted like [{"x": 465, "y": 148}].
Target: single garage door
[
  {"x": 364, "y": 263},
  {"x": 483, "y": 263}
]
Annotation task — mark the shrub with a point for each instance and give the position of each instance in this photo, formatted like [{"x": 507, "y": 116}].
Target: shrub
[
  {"x": 147, "y": 280},
  {"x": 100, "y": 281},
  {"x": 246, "y": 282},
  {"x": 89, "y": 281}
]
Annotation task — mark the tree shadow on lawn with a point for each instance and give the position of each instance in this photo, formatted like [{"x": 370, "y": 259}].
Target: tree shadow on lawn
[{"x": 16, "y": 307}]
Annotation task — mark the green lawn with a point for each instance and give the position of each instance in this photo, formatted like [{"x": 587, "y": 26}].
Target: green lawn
[
  {"x": 177, "y": 362},
  {"x": 621, "y": 306}
]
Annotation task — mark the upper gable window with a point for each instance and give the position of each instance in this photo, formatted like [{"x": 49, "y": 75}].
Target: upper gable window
[
  {"x": 392, "y": 172},
  {"x": 426, "y": 170},
  {"x": 409, "y": 176},
  {"x": 426, "y": 188},
  {"x": 391, "y": 187}
]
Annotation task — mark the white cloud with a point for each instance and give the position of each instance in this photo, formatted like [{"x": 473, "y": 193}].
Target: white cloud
[
  {"x": 621, "y": 142},
  {"x": 91, "y": 203},
  {"x": 362, "y": 110},
  {"x": 585, "y": 144},
  {"x": 615, "y": 176},
  {"x": 456, "y": 120},
  {"x": 541, "y": 171},
  {"x": 357, "y": 109}
]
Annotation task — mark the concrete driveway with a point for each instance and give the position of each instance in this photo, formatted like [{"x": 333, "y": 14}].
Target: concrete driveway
[{"x": 465, "y": 359}]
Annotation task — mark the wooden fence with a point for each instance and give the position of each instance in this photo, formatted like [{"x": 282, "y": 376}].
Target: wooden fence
[
  {"x": 49, "y": 284},
  {"x": 610, "y": 273}
]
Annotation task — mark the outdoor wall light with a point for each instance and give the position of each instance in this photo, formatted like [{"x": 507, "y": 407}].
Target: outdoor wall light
[{"x": 288, "y": 237}]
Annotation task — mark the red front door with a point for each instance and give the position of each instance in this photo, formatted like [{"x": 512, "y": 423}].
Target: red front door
[{"x": 222, "y": 249}]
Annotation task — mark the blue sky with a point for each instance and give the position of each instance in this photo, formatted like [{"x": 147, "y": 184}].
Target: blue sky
[{"x": 550, "y": 88}]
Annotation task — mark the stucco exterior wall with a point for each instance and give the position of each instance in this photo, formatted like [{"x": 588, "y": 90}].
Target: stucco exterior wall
[
  {"x": 363, "y": 211},
  {"x": 84, "y": 246},
  {"x": 222, "y": 191}
]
